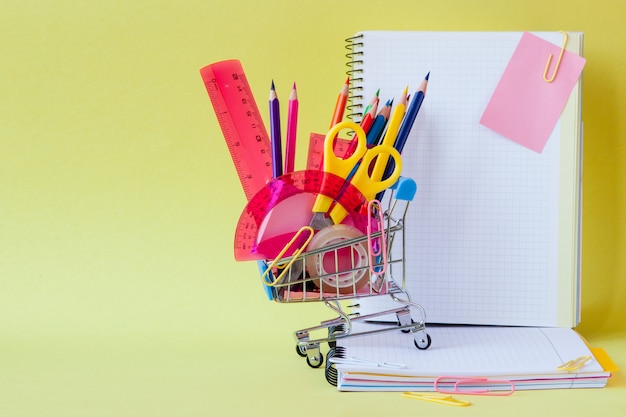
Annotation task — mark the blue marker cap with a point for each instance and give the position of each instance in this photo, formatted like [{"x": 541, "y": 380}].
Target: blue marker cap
[{"x": 405, "y": 189}]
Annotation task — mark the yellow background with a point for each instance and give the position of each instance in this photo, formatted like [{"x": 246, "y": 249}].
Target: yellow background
[{"x": 118, "y": 199}]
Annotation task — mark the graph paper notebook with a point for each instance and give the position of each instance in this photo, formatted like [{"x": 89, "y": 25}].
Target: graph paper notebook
[
  {"x": 494, "y": 230},
  {"x": 504, "y": 357}
]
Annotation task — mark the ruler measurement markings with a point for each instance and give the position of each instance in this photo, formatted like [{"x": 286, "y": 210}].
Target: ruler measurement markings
[{"x": 241, "y": 123}]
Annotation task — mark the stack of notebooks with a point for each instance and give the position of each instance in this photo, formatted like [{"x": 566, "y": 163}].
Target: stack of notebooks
[
  {"x": 479, "y": 358},
  {"x": 493, "y": 235}
]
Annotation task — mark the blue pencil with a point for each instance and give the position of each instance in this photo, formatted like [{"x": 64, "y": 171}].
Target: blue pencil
[
  {"x": 375, "y": 132},
  {"x": 411, "y": 114},
  {"x": 407, "y": 125}
]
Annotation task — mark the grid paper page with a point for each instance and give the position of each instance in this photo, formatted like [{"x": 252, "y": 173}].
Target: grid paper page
[
  {"x": 472, "y": 351},
  {"x": 482, "y": 232}
]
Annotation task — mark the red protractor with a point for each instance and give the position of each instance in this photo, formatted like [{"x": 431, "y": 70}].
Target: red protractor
[{"x": 291, "y": 192}]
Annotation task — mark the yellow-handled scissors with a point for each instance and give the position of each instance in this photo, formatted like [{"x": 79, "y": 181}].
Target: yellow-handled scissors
[{"x": 366, "y": 181}]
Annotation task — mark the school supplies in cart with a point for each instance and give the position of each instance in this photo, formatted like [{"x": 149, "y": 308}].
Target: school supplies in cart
[
  {"x": 341, "y": 263},
  {"x": 319, "y": 235}
]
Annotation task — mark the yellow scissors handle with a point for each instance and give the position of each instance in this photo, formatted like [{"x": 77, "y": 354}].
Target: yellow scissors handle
[
  {"x": 336, "y": 165},
  {"x": 363, "y": 180}
]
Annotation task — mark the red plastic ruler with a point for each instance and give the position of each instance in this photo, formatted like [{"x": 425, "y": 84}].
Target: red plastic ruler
[
  {"x": 316, "y": 150},
  {"x": 241, "y": 123}
]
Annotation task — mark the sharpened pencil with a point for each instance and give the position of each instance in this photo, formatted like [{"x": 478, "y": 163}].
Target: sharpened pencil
[
  {"x": 292, "y": 126},
  {"x": 340, "y": 104},
  {"x": 414, "y": 106},
  {"x": 390, "y": 136},
  {"x": 407, "y": 124},
  {"x": 378, "y": 126},
  {"x": 276, "y": 144}
]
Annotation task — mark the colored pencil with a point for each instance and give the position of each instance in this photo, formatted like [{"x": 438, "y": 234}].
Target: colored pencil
[
  {"x": 275, "y": 140},
  {"x": 366, "y": 125},
  {"x": 378, "y": 126},
  {"x": 292, "y": 125},
  {"x": 407, "y": 124},
  {"x": 390, "y": 135},
  {"x": 368, "y": 119},
  {"x": 373, "y": 101},
  {"x": 340, "y": 104},
  {"x": 411, "y": 114},
  {"x": 396, "y": 119}
]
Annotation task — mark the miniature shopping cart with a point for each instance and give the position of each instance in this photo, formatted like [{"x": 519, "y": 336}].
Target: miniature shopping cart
[{"x": 347, "y": 266}]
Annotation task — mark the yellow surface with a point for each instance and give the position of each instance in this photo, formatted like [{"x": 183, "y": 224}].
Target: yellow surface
[{"x": 119, "y": 295}]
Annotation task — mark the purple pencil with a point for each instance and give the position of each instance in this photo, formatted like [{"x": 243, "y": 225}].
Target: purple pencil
[{"x": 277, "y": 156}]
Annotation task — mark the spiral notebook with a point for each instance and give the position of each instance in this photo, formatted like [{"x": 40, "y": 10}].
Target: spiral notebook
[
  {"x": 493, "y": 234},
  {"x": 478, "y": 357}
]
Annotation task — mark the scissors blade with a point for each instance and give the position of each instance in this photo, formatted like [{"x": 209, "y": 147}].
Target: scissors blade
[{"x": 320, "y": 221}]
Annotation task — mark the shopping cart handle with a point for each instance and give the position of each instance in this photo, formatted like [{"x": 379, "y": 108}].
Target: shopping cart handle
[{"x": 404, "y": 189}]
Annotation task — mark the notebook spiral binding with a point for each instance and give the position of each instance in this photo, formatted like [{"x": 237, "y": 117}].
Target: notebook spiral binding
[
  {"x": 354, "y": 45},
  {"x": 330, "y": 372}
]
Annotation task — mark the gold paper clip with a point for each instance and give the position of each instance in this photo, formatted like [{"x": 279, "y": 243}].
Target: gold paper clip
[
  {"x": 439, "y": 399},
  {"x": 574, "y": 364},
  {"x": 295, "y": 255},
  {"x": 558, "y": 62},
  {"x": 462, "y": 385}
]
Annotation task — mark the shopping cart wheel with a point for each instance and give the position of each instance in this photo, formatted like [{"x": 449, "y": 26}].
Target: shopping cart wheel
[
  {"x": 315, "y": 361},
  {"x": 301, "y": 350},
  {"x": 422, "y": 343}
]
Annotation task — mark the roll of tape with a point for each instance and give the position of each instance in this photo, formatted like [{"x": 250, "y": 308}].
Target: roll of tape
[{"x": 344, "y": 269}]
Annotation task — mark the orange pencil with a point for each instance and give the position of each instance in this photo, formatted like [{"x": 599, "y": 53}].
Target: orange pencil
[{"x": 340, "y": 104}]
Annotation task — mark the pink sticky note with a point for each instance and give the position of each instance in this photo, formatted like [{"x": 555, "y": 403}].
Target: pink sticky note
[{"x": 524, "y": 107}]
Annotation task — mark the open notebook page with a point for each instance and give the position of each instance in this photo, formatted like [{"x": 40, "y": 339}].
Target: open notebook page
[
  {"x": 473, "y": 351},
  {"x": 485, "y": 233}
]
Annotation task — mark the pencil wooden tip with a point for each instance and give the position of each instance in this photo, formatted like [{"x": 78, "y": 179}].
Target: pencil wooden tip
[{"x": 294, "y": 94}]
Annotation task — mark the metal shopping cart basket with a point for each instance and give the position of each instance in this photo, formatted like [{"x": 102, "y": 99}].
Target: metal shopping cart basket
[{"x": 348, "y": 266}]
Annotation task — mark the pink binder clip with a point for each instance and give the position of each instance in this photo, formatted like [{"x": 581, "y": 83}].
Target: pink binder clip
[
  {"x": 376, "y": 247},
  {"x": 463, "y": 385}
]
